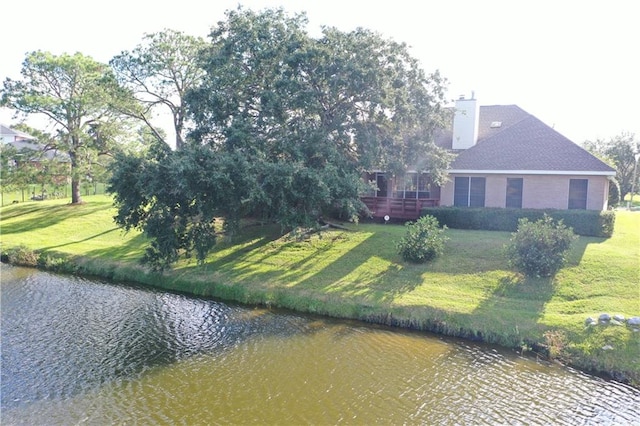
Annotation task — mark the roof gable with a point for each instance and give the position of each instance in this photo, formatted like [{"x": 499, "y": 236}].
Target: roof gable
[
  {"x": 8, "y": 134},
  {"x": 26, "y": 143}
]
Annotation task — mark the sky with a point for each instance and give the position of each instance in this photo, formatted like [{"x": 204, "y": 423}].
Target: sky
[{"x": 574, "y": 64}]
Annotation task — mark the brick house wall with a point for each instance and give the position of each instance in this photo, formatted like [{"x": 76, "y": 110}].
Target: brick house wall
[{"x": 538, "y": 192}]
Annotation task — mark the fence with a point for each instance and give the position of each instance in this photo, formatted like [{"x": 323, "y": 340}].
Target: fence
[{"x": 36, "y": 192}]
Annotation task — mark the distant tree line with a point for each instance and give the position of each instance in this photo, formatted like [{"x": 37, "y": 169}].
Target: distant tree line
[{"x": 621, "y": 153}]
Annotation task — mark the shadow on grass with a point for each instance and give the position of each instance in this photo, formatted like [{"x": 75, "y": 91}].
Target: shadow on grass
[
  {"x": 366, "y": 272},
  {"x": 579, "y": 247},
  {"x": 513, "y": 301},
  {"x": 30, "y": 218},
  {"x": 10, "y": 212},
  {"x": 131, "y": 250},
  {"x": 514, "y": 307},
  {"x": 83, "y": 240},
  {"x": 520, "y": 301},
  {"x": 246, "y": 267},
  {"x": 517, "y": 303},
  {"x": 255, "y": 259},
  {"x": 241, "y": 248}
]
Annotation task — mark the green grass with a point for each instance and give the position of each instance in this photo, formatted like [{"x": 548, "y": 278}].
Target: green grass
[
  {"x": 469, "y": 291},
  {"x": 632, "y": 204},
  {"x": 53, "y": 192}
]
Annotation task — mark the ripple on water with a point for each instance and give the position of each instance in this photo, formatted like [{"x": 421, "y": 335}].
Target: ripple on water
[{"x": 83, "y": 351}]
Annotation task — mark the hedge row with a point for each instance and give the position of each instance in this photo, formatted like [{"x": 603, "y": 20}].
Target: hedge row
[{"x": 590, "y": 223}]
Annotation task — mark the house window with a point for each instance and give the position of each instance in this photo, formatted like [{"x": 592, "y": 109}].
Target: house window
[
  {"x": 412, "y": 186},
  {"x": 381, "y": 183},
  {"x": 424, "y": 185},
  {"x": 514, "y": 193},
  {"x": 468, "y": 192},
  {"x": 578, "y": 193}
]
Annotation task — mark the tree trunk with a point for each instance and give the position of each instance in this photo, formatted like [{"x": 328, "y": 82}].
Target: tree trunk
[
  {"x": 76, "y": 196},
  {"x": 178, "y": 124},
  {"x": 179, "y": 142}
]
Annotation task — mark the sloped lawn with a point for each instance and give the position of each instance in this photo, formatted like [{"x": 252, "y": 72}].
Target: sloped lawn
[{"x": 469, "y": 291}]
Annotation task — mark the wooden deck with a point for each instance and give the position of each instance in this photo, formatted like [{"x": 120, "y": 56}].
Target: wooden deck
[{"x": 398, "y": 208}]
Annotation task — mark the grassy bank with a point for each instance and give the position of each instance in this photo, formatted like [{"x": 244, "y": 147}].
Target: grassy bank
[{"x": 468, "y": 292}]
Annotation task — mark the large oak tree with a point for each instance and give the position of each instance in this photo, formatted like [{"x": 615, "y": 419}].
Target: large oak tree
[
  {"x": 285, "y": 126},
  {"x": 313, "y": 114}
]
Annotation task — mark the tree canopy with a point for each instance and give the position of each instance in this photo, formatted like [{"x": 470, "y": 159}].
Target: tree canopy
[
  {"x": 284, "y": 127},
  {"x": 78, "y": 96},
  {"x": 159, "y": 72},
  {"x": 619, "y": 152},
  {"x": 313, "y": 114},
  {"x": 271, "y": 87}
]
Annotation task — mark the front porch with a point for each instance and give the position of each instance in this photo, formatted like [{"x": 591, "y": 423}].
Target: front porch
[{"x": 398, "y": 208}]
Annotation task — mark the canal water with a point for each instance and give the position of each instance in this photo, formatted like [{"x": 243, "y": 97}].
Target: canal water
[{"x": 79, "y": 351}]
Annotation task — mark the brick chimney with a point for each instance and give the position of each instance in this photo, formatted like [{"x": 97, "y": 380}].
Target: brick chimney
[{"x": 465, "y": 122}]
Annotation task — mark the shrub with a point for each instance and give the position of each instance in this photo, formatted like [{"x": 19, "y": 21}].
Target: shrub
[
  {"x": 556, "y": 342},
  {"x": 591, "y": 223},
  {"x": 53, "y": 263},
  {"x": 538, "y": 249},
  {"x": 423, "y": 240},
  {"x": 22, "y": 256}
]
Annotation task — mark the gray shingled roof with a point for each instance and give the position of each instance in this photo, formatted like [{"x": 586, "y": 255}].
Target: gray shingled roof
[
  {"x": 28, "y": 143},
  {"x": 521, "y": 143},
  {"x": 6, "y": 131}
]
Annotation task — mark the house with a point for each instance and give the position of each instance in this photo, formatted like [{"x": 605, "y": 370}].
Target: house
[
  {"x": 505, "y": 157},
  {"x": 11, "y": 136},
  {"x": 23, "y": 142},
  {"x": 29, "y": 152}
]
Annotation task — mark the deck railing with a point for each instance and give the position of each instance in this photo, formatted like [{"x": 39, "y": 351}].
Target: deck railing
[{"x": 398, "y": 208}]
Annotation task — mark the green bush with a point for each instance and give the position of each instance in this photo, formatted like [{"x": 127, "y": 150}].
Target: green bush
[
  {"x": 55, "y": 263},
  {"x": 591, "y": 223},
  {"x": 538, "y": 249},
  {"x": 423, "y": 240}
]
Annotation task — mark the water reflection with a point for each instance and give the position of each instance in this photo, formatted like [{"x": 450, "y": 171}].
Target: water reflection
[{"x": 81, "y": 351}]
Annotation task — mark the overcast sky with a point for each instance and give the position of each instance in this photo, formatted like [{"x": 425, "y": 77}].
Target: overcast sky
[{"x": 573, "y": 64}]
